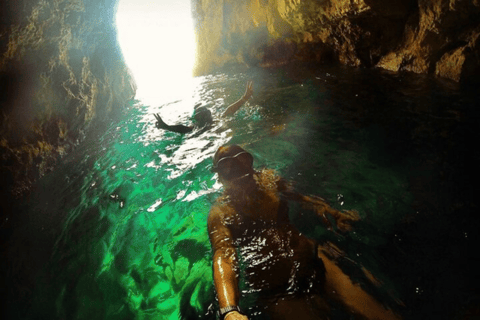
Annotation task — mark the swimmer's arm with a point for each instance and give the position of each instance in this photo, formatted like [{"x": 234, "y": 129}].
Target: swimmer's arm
[
  {"x": 339, "y": 287},
  {"x": 225, "y": 262},
  {"x": 179, "y": 128},
  {"x": 236, "y": 105},
  {"x": 320, "y": 206}
]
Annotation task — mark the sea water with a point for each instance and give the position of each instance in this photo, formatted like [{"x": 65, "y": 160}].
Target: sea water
[{"x": 119, "y": 230}]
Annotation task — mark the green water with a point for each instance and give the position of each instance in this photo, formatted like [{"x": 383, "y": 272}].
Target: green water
[{"x": 119, "y": 231}]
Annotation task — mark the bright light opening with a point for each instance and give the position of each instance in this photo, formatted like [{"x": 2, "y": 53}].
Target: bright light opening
[{"x": 158, "y": 44}]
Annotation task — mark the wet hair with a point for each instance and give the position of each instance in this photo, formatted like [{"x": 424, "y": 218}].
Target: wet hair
[{"x": 202, "y": 116}]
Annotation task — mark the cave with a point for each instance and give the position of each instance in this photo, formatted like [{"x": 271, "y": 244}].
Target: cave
[
  {"x": 65, "y": 80},
  {"x": 63, "y": 74}
]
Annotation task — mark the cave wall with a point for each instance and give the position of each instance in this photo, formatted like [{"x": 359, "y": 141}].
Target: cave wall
[
  {"x": 62, "y": 73},
  {"x": 439, "y": 37},
  {"x": 62, "y": 76}
]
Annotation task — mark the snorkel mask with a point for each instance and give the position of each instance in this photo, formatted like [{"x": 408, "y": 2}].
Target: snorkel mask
[{"x": 234, "y": 167}]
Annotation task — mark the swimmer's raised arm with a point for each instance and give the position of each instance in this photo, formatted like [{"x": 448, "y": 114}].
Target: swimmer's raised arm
[
  {"x": 225, "y": 264},
  {"x": 236, "y": 105},
  {"x": 343, "y": 219}
]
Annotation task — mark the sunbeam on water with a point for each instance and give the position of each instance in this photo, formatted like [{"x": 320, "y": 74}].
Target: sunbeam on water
[{"x": 158, "y": 44}]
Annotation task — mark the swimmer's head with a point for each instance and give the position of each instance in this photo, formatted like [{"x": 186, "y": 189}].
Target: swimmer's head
[
  {"x": 202, "y": 116},
  {"x": 232, "y": 162}
]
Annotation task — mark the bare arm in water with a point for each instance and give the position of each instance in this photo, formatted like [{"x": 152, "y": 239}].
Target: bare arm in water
[
  {"x": 179, "y": 128},
  {"x": 339, "y": 287},
  {"x": 225, "y": 262},
  {"x": 240, "y": 102},
  {"x": 343, "y": 219}
]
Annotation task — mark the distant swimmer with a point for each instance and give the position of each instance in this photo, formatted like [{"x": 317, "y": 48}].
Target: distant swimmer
[
  {"x": 203, "y": 116},
  {"x": 251, "y": 235}
]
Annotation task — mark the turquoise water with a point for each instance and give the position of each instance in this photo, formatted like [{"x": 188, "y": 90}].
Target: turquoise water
[{"x": 119, "y": 230}]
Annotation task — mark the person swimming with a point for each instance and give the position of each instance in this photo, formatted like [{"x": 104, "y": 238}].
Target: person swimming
[
  {"x": 294, "y": 276},
  {"x": 203, "y": 116}
]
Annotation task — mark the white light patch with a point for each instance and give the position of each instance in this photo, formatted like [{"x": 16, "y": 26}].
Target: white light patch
[
  {"x": 154, "y": 206},
  {"x": 158, "y": 44}
]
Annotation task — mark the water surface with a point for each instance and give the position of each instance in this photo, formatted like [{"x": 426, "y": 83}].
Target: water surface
[{"x": 119, "y": 230}]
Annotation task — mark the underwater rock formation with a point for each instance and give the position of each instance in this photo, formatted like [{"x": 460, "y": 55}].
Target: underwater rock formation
[
  {"x": 439, "y": 37},
  {"x": 62, "y": 76}
]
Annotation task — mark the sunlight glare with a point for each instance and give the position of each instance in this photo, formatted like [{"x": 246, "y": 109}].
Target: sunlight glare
[{"x": 158, "y": 45}]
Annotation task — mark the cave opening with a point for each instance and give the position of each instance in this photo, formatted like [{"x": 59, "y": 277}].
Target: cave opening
[{"x": 158, "y": 44}]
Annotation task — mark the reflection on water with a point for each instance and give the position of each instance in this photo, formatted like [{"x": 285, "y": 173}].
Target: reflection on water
[{"x": 119, "y": 231}]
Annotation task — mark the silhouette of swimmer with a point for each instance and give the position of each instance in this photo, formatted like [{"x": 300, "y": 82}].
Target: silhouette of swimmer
[
  {"x": 293, "y": 275},
  {"x": 203, "y": 116}
]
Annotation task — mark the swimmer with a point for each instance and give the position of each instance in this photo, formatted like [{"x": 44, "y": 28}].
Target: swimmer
[
  {"x": 203, "y": 116},
  {"x": 294, "y": 276}
]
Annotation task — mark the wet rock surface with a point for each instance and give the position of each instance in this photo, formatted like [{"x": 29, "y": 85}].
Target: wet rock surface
[
  {"x": 422, "y": 36},
  {"x": 62, "y": 76},
  {"x": 62, "y": 73}
]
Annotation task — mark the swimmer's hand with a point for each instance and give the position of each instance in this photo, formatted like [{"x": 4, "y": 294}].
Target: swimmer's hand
[
  {"x": 234, "y": 315},
  {"x": 240, "y": 102},
  {"x": 345, "y": 218},
  {"x": 159, "y": 124},
  {"x": 321, "y": 208},
  {"x": 248, "y": 90}
]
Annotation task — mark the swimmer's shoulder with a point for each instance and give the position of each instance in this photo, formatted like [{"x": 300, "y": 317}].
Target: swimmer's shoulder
[
  {"x": 221, "y": 212},
  {"x": 269, "y": 179}
]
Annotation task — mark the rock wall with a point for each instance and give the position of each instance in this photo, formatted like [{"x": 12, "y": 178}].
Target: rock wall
[
  {"x": 62, "y": 73},
  {"x": 61, "y": 76},
  {"x": 438, "y": 37}
]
